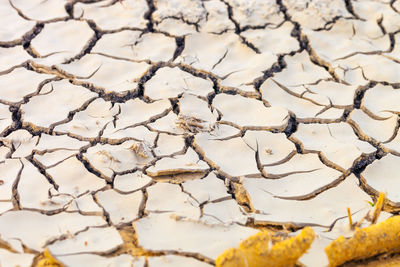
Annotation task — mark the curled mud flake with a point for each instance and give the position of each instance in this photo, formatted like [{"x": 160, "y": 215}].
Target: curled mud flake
[
  {"x": 365, "y": 243},
  {"x": 21, "y": 142},
  {"x": 191, "y": 124},
  {"x": 243, "y": 197},
  {"x": 195, "y": 114},
  {"x": 107, "y": 157},
  {"x": 255, "y": 251},
  {"x": 189, "y": 163},
  {"x": 169, "y": 144},
  {"x": 141, "y": 149}
]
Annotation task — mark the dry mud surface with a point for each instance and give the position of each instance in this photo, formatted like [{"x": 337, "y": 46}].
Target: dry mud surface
[{"x": 161, "y": 133}]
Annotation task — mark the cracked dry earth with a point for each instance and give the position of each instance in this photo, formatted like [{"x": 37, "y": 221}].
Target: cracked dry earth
[{"x": 161, "y": 133}]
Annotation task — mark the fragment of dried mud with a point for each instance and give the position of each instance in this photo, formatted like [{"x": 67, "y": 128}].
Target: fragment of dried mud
[
  {"x": 169, "y": 199},
  {"x": 135, "y": 45},
  {"x": 166, "y": 232},
  {"x": 381, "y": 101},
  {"x": 131, "y": 181},
  {"x": 368, "y": 127},
  {"x": 306, "y": 110},
  {"x": 90, "y": 121},
  {"x": 375, "y": 67},
  {"x": 12, "y": 56},
  {"x": 187, "y": 163},
  {"x": 288, "y": 179},
  {"x": 322, "y": 210},
  {"x": 127, "y": 13},
  {"x": 209, "y": 188},
  {"x": 170, "y": 82},
  {"x": 232, "y": 157},
  {"x": 73, "y": 178},
  {"x": 121, "y": 208},
  {"x": 223, "y": 212},
  {"x": 20, "y": 26},
  {"x": 62, "y": 40},
  {"x": 236, "y": 64},
  {"x": 35, "y": 229},
  {"x": 60, "y": 97},
  {"x": 347, "y": 37},
  {"x": 8, "y": 258},
  {"x": 175, "y": 260},
  {"x": 247, "y": 112},
  {"x": 382, "y": 175},
  {"x": 94, "y": 69},
  {"x": 336, "y": 142},
  {"x": 269, "y": 38},
  {"x": 20, "y": 83}
]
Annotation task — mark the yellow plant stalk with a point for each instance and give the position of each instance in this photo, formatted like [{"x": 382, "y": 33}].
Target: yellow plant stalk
[
  {"x": 350, "y": 219},
  {"x": 378, "y": 207},
  {"x": 254, "y": 251},
  {"x": 367, "y": 242}
]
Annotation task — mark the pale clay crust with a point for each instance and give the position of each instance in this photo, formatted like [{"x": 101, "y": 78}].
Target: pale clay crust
[{"x": 178, "y": 126}]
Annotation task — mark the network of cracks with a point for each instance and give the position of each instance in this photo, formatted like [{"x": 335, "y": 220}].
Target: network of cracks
[{"x": 161, "y": 133}]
